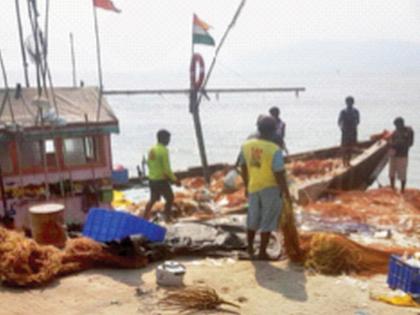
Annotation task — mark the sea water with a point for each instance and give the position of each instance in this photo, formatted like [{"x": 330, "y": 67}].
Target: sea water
[{"x": 227, "y": 119}]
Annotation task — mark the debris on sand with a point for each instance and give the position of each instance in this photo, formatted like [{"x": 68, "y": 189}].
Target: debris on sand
[{"x": 195, "y": 298}]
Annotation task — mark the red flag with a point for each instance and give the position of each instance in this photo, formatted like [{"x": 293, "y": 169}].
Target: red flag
[{"x": 105, "y": 4}]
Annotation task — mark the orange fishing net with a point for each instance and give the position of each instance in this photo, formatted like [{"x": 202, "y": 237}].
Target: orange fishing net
[
  {"x": 25, "y": 263},
  {"x": 334, "y": 254},
  {"x": 377, "y": 207},
  {"x": 312, "y": 168},
  {"x": 200, "y": 201},
  {"x": 290, "y": 233}
]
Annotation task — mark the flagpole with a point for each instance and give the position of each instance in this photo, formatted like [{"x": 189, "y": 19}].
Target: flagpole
[
  {"x": 98, "y": 54},
  {"x": 192, "y": 40},
  {"x": 194, "y": 110}
]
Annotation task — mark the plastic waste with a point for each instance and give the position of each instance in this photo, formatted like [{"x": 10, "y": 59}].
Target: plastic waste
[
  {"x": 230, "y": 179},
  {"x": 413, "y": 262},
  {"x": 396, "y": 299}
]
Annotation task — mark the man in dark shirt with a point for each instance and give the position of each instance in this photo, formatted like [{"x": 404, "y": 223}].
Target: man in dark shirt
[
  {"x": 401, "y": 141},
  {"x": 280, "y": 132},
  {"x": 348, "y": 121}
]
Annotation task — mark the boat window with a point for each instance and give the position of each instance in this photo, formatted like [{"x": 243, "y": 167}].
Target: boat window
[
  {"x": 5, "y": 157},
  {"x": 90, "y": 148},
  {"x": 49, "y": 147},
  {"x": 79, "y": 151},
  {"x": 30, "y": 154},
  {"x": 74, "y": 151}
]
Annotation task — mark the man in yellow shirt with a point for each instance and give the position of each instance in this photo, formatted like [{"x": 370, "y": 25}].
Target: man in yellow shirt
[
  {"x": 160, "y": 174},
  {"x": 263, "y": 172}
]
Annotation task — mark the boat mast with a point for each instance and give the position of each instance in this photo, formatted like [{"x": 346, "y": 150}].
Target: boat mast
[
  {"x": 98, "y": 55},
  {"x": 73, "y": 60},
  {"x": 22, "y": 46}
]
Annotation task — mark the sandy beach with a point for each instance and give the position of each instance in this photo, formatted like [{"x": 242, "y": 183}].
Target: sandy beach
[{"x": 258, "y": 287}]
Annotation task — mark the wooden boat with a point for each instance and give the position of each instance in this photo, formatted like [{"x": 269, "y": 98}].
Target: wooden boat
[
  {"x": 46, "y": 157},
  {"x": 369, "y": 160},
  {"x": 328, "y": 175}
]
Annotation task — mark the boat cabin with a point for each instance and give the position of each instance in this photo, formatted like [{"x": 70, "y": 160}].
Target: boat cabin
[{"x": 55, "y": 148}]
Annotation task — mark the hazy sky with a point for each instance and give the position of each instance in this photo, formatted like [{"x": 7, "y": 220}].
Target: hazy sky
[{"x": 151, "y": 36}]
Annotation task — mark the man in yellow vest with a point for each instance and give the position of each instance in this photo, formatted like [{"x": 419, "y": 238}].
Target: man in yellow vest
[
  {"x": 263, "y": 172},
  {"x": 160, "y": 175}
]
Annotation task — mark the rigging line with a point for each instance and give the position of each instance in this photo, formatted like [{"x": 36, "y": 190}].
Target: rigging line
[
  {"x": 105, "y": 107},
  {"x": 44, "y": 45},
  {"x": 3, "y": 102},
  {"x": 216, "y": 53},
  {"x": 7, "y": 94},
  {"x": 34, "y": 26},
  {"x": 28, "y": 109},
  {"x": 162, "y": 96},
  {"x": 46, "y": 73},
  {"x": 242, "y": 77},
  {"x": 52, "y": 90},
  {"x": 46, "y": 26},
  {"x": 22, "y": 46}
]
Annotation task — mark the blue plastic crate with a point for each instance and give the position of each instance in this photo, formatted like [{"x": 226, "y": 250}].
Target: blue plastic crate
[
  {"x": 403, "y": 276},
  {"x": 120, "y": 177},
  {"x": 107, "y": 225}
]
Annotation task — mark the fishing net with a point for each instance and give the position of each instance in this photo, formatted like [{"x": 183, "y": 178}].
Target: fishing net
[
  {"x": 312, "y": 168},
  {"x": 377, "y": 207},
  {"x": 330, "y": 253},
  {"x": 290, "y": 233},
  {"x": 334, "y": 254},
  {"x": 25, "y": 263},
  {"x": 83, "y": 253}
]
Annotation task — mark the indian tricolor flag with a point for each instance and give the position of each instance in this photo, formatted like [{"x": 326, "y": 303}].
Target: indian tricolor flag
[{"x": 200, "y": 34}]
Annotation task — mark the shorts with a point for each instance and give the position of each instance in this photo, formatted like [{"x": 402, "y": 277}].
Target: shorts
[
  {"x": 160, "y": 188},
  {"x": 398, "y": 167},
  {"x": 348, "y": 138},
  {"x": 264, "y": 210}
]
